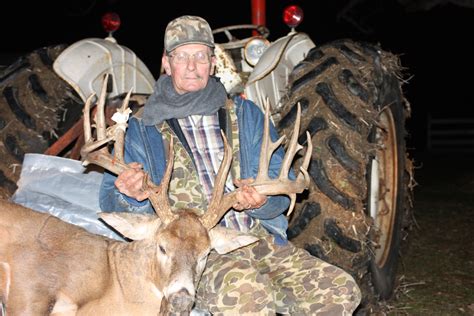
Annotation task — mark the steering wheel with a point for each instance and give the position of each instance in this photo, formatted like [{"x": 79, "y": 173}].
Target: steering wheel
[{"x": 239, "y": 43}]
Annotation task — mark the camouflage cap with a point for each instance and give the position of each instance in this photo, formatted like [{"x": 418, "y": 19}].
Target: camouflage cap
[{"x": 188, "y": 29}]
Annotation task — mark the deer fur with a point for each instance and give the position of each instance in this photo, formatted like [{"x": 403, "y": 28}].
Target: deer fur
[{"x": 50, "y": 266}]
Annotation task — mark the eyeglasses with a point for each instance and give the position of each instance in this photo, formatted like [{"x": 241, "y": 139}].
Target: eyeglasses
[{"x": 183, "y": 57}]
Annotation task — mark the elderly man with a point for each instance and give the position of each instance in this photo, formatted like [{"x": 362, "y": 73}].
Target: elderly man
[{"x": 191, "y": 105}]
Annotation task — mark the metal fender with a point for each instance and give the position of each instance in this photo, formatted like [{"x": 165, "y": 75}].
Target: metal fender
[
  {"x": 270, "y": 75},
  {"x": 84, "y": 64}
]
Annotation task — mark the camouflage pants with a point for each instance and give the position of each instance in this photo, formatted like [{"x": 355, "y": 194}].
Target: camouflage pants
[{"x": 265, "y": 279}]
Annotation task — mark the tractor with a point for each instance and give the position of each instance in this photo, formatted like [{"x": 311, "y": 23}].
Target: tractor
[{"x": 358, "y": 208}]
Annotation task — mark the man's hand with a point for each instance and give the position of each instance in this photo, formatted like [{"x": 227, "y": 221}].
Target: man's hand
[
  {"x": 130, "y": 182},
  {"x": 247, "y": 196}
]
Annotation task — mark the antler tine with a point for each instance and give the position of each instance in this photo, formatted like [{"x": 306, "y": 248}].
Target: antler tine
[
  {"x": 283, "y": 185},
  {"x": 263, "y": 184},
  {"x": 306, "y": 160},
  {"x": 268, "y": 146},
  {"x": 87, "y": 119},
  {"x": 159, "y": 193},
  {"x": 101, "y": 127},
  {"x": 303, "y": 176},
  {"x": 219, "y": 203},
  {"x": 89, "y": 151},
  {"x": 293, "y": 146},
  {"x": 121, "y": 118}
]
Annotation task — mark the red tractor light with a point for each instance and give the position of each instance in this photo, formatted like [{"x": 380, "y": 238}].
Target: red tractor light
[
  {"x": 111, "y": 22},
  {"x": 292, "y": 16}
]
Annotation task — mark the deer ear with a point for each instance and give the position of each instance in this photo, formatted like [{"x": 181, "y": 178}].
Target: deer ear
[
  {"x": 225, "y": 240},
  {"x": 132, "y": 225}
]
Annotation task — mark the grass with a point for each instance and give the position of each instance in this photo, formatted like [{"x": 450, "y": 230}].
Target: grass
[{"x": 436, "y": 274}]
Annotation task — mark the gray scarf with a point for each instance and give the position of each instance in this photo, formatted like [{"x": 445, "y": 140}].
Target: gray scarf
[{"x": 165, "y": 103}]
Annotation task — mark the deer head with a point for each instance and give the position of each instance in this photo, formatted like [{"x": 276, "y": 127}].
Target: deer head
[{"x": 182, "y": 240}]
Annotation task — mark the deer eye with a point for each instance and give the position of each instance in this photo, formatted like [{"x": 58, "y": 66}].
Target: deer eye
[{"x": 163, "y": 251}]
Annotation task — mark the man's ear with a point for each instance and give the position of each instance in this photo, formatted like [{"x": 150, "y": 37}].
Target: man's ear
[
  {"x": 165, "y": 62},
  {"x": 213, "y": 65}
]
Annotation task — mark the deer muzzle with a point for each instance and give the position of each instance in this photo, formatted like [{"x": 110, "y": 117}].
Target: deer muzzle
[{"x": 181, "y": 301}]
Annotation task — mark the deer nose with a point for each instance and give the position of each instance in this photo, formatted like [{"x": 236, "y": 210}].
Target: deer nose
[{"x": 181, "y": 301}]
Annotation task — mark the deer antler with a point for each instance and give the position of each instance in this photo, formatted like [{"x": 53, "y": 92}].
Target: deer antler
[
  {"x": 220, "y": 203},
  {"x": 95, "y": 151}
]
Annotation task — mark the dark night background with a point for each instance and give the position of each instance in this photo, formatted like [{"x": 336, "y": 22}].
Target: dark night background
[{"x": 435, "y": 44}]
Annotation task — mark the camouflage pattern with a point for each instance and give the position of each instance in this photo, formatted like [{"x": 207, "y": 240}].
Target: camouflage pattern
[
  {"x": 185, "y": 188},
  {"x": 265, "y": 279},
  {"x": 188, "y": 29},
  {"x": 234, "y": 139}
]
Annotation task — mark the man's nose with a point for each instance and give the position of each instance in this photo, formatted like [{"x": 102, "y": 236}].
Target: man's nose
[{"x": 191, "y": 63}]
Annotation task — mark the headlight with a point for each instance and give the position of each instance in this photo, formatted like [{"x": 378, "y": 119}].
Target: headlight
[{"x": 254, "y": 49}]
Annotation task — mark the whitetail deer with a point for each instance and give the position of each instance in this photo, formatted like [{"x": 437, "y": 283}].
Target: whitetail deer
[{"x": 47, "y": 265}]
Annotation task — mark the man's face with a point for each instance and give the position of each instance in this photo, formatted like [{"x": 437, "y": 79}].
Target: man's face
[{"x": 189, "y": 66}]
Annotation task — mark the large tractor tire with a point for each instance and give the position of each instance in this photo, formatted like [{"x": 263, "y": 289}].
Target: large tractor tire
[
  {"x": 36, "y": 107},
  {"x": 355, "y": 211}
]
